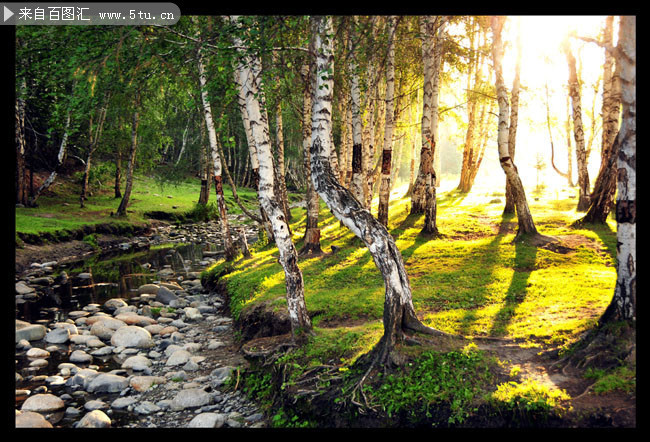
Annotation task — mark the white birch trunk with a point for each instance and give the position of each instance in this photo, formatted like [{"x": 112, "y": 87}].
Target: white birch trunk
[
  {"x": 229, "y": 249},
  {"x": 399, "y": 313},
  {"x": 249, "y": 69}
]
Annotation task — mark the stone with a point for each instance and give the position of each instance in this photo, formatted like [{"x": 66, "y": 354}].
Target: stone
[
  {"x": 30, "y": 332},
  {"x": 94, "y": 419},
  {"x": 95, "y": 404},
  {"x": 132, "y": 336},
  {"x": 78, "y": 314},
  {"x": 148, "y": 289},
  {"x": 207, "y": 420},
  {"x": 105, "y": 327},
  {"x": 23, "y": 289},
  {"x": 143, "y": 383},
  {"x": 154, "y": 329},
  {"x": 179, "y": 357},
  {"x": 123, "y": 402},
  {"x": 58, "y": 336},
  {"x": 107, "y": 383},
  {"x": 31, "y": 419},
  {"x": 80, "y": 356},
  {"x": 38, "y": 363},
  {"x": 220, "y": 375},
  {"x": 190, "y": 398},
  {"x": 43, "y": 403},
  {"x": 135, "y": 319},
  {"x": 146, "y": 407},
  {"x": 136, "y": 363},
  {"x": 192, "y": 314},
  {"x": 165, "y": 295},
  {"x": 35, "y": 352},
  {"x": 71, "y": 327}
]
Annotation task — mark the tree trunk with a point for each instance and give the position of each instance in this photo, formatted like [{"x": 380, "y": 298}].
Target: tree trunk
[
  {"x": 578, "y": 131},
  {"x": 359, "y": 166},
  {"x": 312, "y": 232},
  {"x": 386, "y": 160},
  {"x": 512, "y": 130},
  {"x": 94, "y": 138},
  {"x": 121, "y": 210},
  {"x": 204, "y": 195},
  {"x": 602, "y": 197},
  {"x": 229, "y": 249},
  {"x": 282, "y": 183},
  {"x": 118, "y": 174},
  {"x": 399, "y": 314},
  {"x": 249, "y": 70},
  {"x": 524, "y": 217},
  {"x": 59, "y": 162},
  {"x": 21, "y": 192},
  {"x": 623, "y": 305}
]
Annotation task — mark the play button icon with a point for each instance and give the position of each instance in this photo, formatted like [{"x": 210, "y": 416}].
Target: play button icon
[{"x": 7, "y": 13}]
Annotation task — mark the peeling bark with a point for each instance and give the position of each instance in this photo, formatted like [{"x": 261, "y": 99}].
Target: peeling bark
[{"x": 249, "y": 70}]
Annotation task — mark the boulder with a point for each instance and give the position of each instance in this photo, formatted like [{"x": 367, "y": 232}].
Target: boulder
[
  {"x": 31, "y": 419},
  {"x": 30, "y": 332},
  {"x": 165, "y": 295},
  {"x": 94, "y": 419},
  {"x": 43, "y": 403},
  {"x": 132, "y": 336}
]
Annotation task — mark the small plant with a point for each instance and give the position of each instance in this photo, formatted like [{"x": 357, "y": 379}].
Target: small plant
[
  {"x": 529, "y": 400},
  {"x": 91, "y": 240},
  {"x": 619, "y": 379}
]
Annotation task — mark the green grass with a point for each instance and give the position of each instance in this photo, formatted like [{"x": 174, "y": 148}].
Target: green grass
[{"x": 58, "y": 209}]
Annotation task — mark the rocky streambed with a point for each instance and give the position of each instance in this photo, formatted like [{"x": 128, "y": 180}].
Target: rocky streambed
[{"x": 130, "y": 340}]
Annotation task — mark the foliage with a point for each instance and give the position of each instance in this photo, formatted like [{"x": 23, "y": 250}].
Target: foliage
[
  {"x": 529, "y": 400},
  {"x": 622, "y": 378},
  {"x": 454, "y": 380},
  {"x": 91, "y": 240}
]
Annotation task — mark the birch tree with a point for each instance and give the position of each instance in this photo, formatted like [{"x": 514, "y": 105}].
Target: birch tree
[
  {"x": 623, "y": 305},
  {"x": 514, "y": 117},
  {"x": 249, "y": 70},
  {"x": 524, "y": 217},
  {"x": 399, "y": 313},
  {"x": 578, "y": 130},
  {"x": 135, "y": 122},
  {"x": 386, "y": 160},
  {"x": 229, "y": 249}
]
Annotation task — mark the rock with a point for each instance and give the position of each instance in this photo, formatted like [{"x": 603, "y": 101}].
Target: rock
[
  {"x": 192, "y": 314},
  {"x": 165, "y": 295},
  {"x": 105, "y": 327},
  {"x": 207, "y": 420},
  {"x": 220, "y": 375},
  {"x": 30, "y": 332},
  {"x": 104, "y": 351},
  {"x": 135, "y": 319},
  {"x": 43, "y": 280},
  {"x": 31, "y": 419},
  {"x": 132, "y": 336},
  {"x": 94, "y": 419},
  {"x": 178, "y": 357},
  {"x": 80, "y": 356},
  {"x": 143, "y": 383},
  {"x": 136, "y": 363},
  {"x": 146, "y": 407},
  {"x": 35, "y": 352},
  {"x": 70, "y": 327},
  {"x": 123, "y": 402},
  {"x": 23, "y": 289},
  {"x": 43, "y": 403},
  {"x": 38, "y": 363},
  {"x": 154, "y": 329},
  {"x": 95, "y": 404},
  {"x": 193, "y": 397},
  {"x": 115, "y": 303},
  {"x": 107, "y": 383},
  {"x": 82, "y": 377},
  {"x": 85, "y": 275},
  {"x": 149, "y": 289},
  {"x": 58, "y": 336}
]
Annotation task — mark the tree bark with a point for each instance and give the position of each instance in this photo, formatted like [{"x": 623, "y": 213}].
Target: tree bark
[
  {"x": 514, "y": 117},
  {"x": 282, "y": 183},
  {"x": 229, "y": 249},
  {"x": 399, "y": 314},
  {"x": 312, "y": 232},
  {"x": 387, "y": 152},
  {"x": 94, "y": 138},
  {"x": 21, "y": 192},
  {"x": 602, "y": 197},
  {"x": 204, "y": 195},
  {"x": 524, "y": 217},
  {"x": 249, "y": 70},
  {"x": 118, "y": 174},
  {"x": 121, "y": 210},
  {"x": 578, "y": 131},
  {"x": 623, "y": 305}
]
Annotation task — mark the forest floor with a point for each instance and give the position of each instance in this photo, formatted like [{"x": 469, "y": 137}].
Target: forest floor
[{"x": 523, "y": 304}]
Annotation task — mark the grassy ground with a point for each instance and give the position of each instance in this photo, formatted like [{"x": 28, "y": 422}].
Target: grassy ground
[
  {"x": 59, "y": 209},
  {"x": 473, "y": 282}
]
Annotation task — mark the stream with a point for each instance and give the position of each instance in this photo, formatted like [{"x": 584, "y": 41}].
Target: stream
[{"x": 78, "y": 373}]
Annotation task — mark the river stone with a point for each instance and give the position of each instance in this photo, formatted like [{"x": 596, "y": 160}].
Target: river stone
[
  {"x": 208, "y": 420},
  {"x": 126, "y": 309},
  {"x": 179, "y": 357},
  {"x": 220, "y": 375},
  {"x": 58, "y": 336},
  {"x": 76, "y": 314},
  {"x": 143, "y": 383},
  {"x": 115, "y": 303},
  {"x": 82, "y": 339},
  {"x": 165, "y": 295},
  {"x": 23, "y": 289},
  {"x": 38, "y": 363},
  {"x": 170, "y": 285},
  {"x": 43, "y": 280},
  {"x": 192, "y": 314},
  {"x": 71, "y": 327},
  {"x": 105, "y": 327},
  {"x": 95, "y": 404},
  {"x": 190, "y": 398},
  {"x": 80, "y": 356},
  {"x": 94, "y": 419},
  {"x": 123, "y": 402},
  {"x": 135, "y": 319},
  {"x": 132, "y": 336},
  {"x": 85, "y": 275},
  {"x": 136, "y": 363},
  {"x": 148, "y": 289},
  {"x": 55, "y": 381},
  {"x": 31, "y": 419},
  {"x": 107, "y": 383},
  {"x": 82, "y": 377},
  {"x": 30, "y": 332},
  {"x": 42, "y": 403},
  {"x": 35, "y": 352},
  {"x": 154, "y": 329},
  {"x": 103, "y": 351},
  {"x": 146, "y": 407}
]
